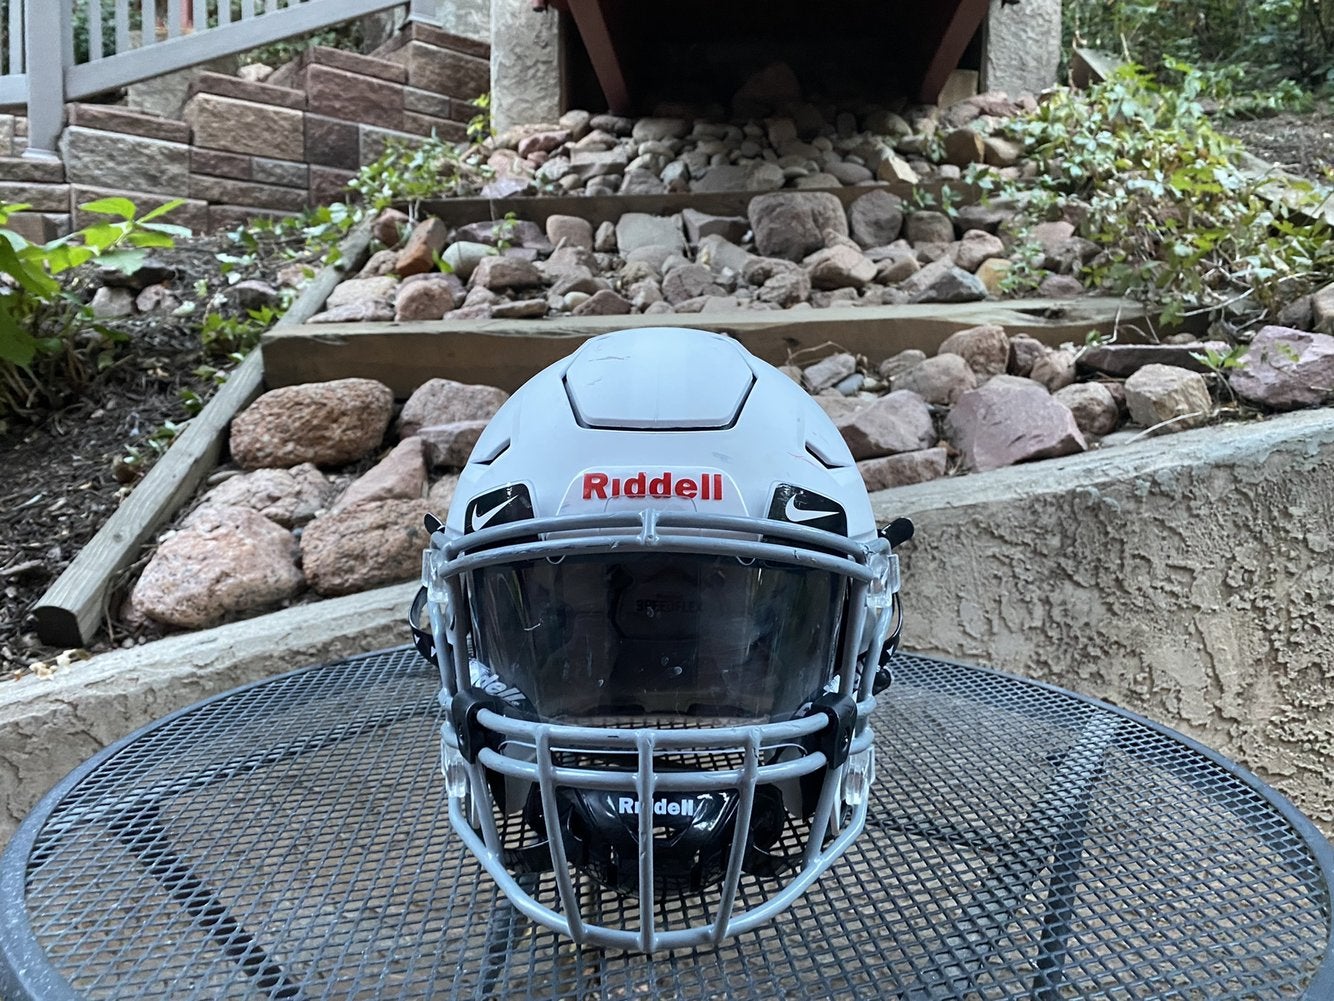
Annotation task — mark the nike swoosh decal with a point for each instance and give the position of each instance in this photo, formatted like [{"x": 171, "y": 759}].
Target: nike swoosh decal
[
  {"x": 480, "y": 519},
  {"x": 793, "y": 513}
]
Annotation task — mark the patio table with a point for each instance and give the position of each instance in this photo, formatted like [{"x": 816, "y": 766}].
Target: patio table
[{"x": 290, "y": 839}]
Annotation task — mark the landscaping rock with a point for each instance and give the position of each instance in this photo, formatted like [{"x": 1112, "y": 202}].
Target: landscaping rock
[
  {"x": 502, "y": 274},
  {"x": 428, "y": 299},
  {"x": 1285, "y": 369},
  {"x": 327, "y": 423},
  {"x": 356, "y": 312},
  {"x": 942, "y": 281},
  {"x": 992, "y": 272},
  {"x": 976, "y": 247},
  {"x": 570, "y": 230},
  {"x": 827, "y": 371},
  {"x": 441, "y": 495},
  {"x": 419, "y": 253},
  {"x": 363, "y": 291},
  {"x": 928, "y": 227},
  {"x": 986, "y": 349},
  {"x": 389, "y": 227},
  {"x": 1322, "y": 310},
  {"x": 364, "y": 545},
  {"x": 604, "y": 303},
  {"x": 110, "y": 303},
  {"x": 1160, "y": 393},
  {"x": 444, "y": 401},
  {"x": 698, "y": 225},
  {"x": 1024, "y": 354},
  {"x": 463, "y": 256},
  {"x": 876, "y": 218},
  {"x": 901, "y": 362},
  {"x": 1120, "y": 360},
  {"x": 287, "y": 497},
  {"x": 400, "y": 474},
  {"x": 230, "y": 560},
  {"x": 903, "y": 470},
  {"x": 839, "y": 267},
  {"x": 1054, "y": 369},
  {"x": 1010, "y": 420},
  {"x": 638, "y": 229},
  {"x": 449, "y": 445},
  {"x": 940, "y": 380},
  {"x": 792, "y": 225},
  {"x": 1093, "y": 406},
  {"x": 897, "y": 422},
  {"x": 688, "y": 282}
]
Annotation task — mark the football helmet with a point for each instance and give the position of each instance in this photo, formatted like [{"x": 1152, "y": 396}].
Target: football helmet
[{"x": 659, "y": 605}]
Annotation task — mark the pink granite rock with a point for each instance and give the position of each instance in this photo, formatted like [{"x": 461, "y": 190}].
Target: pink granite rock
[
  {"x": 230, "y": 560},
  {"x": 1159, "y": 394},
  {"x": 449, "y": 445},
  {"x": 1093, "y": 405},
  {"x": 400, "y": 474},
  {"x": 287, "y": 497},
  {"x": 986, "y": 349},
  {"x": 429, "y": 299},
  {"x": 897, "y": 422},
  {"x": 364, "y": 545},
  {"x": 1010, "y": 420},
  {"x": 940, "y": 380},
  {"x": 1286, "y": 368},
  {"x": 444, "y": 401},
  {"x": 904, "y": 469},
  {"x": 327, "y": 423}
]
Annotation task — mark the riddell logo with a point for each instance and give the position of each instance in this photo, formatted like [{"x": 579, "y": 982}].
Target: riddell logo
[{"x": 705, "y": 486}]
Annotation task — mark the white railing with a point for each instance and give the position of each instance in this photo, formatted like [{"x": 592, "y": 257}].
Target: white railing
[{"x": 53, "y": 51}]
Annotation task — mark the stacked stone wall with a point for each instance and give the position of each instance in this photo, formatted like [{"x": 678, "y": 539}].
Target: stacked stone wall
[{"x": 244, "y": 149}]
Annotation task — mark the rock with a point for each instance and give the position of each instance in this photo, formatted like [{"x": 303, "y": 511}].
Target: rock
[
  {"x": 792, "y": 225},
  {"x": 893, "y": 167},
  {"x": 1010, "y": 420},
  {"x": 928, "y": 227},
  {"x": 1050, "y": 235},
  {"x": 720, "y": 254},
  {"x": 894, "y": 264},
  {"x": 159, "y": 299},
  {"x": 449, "y": 445},
  {"x": 587, "y": 165},
  {"x": 875, "y": 218},
  {"x": 364, "y": 545},
  {"x": 389, "y": 227},
  {"x": 604, "y": 303},
  {"x": 520, "y": 309},
  {"x": 441, "y": 495},
  {"x": 1160, "y": 393},
  {"x": 253, "y": 294},
  {"x": 110, "y": 303},
  {"x": 850, "y": 174},
  {"x": 542, "y": 142},
  {"x": 1054, "y": 369},
  {"x": 991, "y": 273},
  {"x": 1024, "y": 354},
  {"x": 1285, "y": 369},
  {"x": 401, "y": 474},
  {"x": 1069, "y": 257},
  {"x": 785, "y": 288},
  {"x": 839, "y": 267},
  {"x": 904, "y": 469},
  {"x": 418, "y": 255},
  {"x": 1121, "y": 360},
  {"x": 976, "y": 247},
  {"x": 604, "y": 238},
  {"x": 230, "y": 560},
  {"x": 571, "y": 230},
  {"x": 1093, "y": 406},
  {"x": 429, "y": 299},
  {"x": 576, "y": 122},
  {"x": 826, "y": 372},
  {"x": 501, "y": 274},
  {"x": 688, "y": 282},
  {"x": 999, "y": 152},
  {"x": 327, "y": 423},
  {"x": 362, "y": 291},
  {"x": 463, "y": 256},
  {"x": 642, "y": 182},
  {"x": 897, "y": 422},
  {"x": 648, "y": 129},
  {"x": 356, "y": 312},
  {"x": 1060, "y": 287},
  {"x": 901, "y": 362},
  {"x": 444, "y": 401},
  {"x": 287, "y": 497},
  {"x": 988, "y": 216},
  {"x": 964, "y": 146},
  {"x": 942, "y": 281},
  {"x": 638, "y": 229},
  {"x": 986, "y": 349},
  {"x": 1322, "y": 310},
  {"x": 940, "y": 380},
  {"x": 700, "y": 224}
]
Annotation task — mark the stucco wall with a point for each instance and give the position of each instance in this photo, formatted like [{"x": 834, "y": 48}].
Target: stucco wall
[{"x": 1190, "y": 579}]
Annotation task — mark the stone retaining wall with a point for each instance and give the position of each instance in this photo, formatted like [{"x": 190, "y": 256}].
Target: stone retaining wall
[{"x": 244, "y": 149}]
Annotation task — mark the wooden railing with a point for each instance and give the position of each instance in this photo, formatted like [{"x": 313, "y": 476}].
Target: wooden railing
[{"x": 53, "y": 51}]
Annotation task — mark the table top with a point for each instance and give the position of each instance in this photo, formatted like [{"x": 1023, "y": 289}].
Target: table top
[{"x": 290, "y": 839}]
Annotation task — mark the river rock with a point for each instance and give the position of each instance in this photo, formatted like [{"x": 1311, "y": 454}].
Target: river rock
[{"x": 876, "y": 218}]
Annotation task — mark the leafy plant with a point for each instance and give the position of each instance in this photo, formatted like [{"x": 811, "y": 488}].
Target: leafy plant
[
  {"x": 414, "y": 172},
  {"x": 479, "y": 127},
  {"x": 43, "y": 357}
]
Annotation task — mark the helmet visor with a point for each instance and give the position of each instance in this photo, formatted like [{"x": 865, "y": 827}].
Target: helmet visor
[{"x": 654, "y": 639}]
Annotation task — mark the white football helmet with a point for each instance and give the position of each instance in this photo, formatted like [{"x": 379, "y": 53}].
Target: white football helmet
[{"x": 658, "y": 605}]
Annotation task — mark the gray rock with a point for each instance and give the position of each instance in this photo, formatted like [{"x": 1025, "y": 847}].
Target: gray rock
[
  {"x": 284, "y": 496},
  {"x": 1054, "y": 369},
  {"x": 940, "y": 380},
  {"x": 700, "y": 224},
  {"x": 791, "y": 225},
  {"x": 253, "y": 294},
  {"x": 363, "y": 290},
  {"x": 904, "y": 469},
  {"x": 688, "y": 282},
  {"x": 444, "y": 401},
  {"x": 977, "y": 246},
  {"x": 327, "y": 423},
  {"x": 785, "y": 288},
  {"x": 464, "y": 256},
  {"x": 1285, "y": 369},
  {"x": 988, "y": 216},
  {"x": 894, "y": 265},
  {"x": 928, "y": 227},
  {"x": 839, "y": 267},
  {"x": 520, "y": 309},
  {"x": 1157, "y": 394},
  {"x": 500, "y": 274},
  {"x": 230, "y": 560},
  {"x": 942, "y": 281},
  {"x": 1060, "y": 287},
  {"x": 364, "y": 545},
  {"x": 572, "y": 230},
  {"x": 604, "y": 238},
  {"x": 826, "y": 372},
  {"x": 110, "y": 303},
  {"x": 1010, "y": 420},
  {"x": 876, "y": 218},
  {"x": 1093, "y": 406},
  {"x": 1024, "y": 354},
  {"x": 758, "y": 175},
  {"x": 449, "y": 445},
  {"x": 986, "y": 349},
  {"x": 897, "y": 422},
  {"x": 1322, "y": 310},
  {"x": 356, "y": 312},
  {"x": 604, "y": 303},
  {"x": 1121, "y": 360},
  {"x": 850, "y": 173},
  {"x": 586, "y": 164},
  {"x": 721, "y": 254},
  {"x": 423, "y": 300},
  {"x": 901, "y": 362},
  {"x": 638, "y": 229}
]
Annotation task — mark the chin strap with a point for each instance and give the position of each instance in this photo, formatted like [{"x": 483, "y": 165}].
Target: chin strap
[
  {"x": 421, "y": 638},
  {"x": 896, "y": 533}
]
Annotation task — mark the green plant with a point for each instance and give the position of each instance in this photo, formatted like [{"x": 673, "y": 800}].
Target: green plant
[
  {"x": 1178, "y": 222},
  {"x": 413, "y": 172},
  {"x": 49, "y": 342},
  {"x": 479, "y": 127}
]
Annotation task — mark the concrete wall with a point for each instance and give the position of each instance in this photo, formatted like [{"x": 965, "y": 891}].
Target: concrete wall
[
  {"x": 1023, "y": 46},
  {"x": 1188, "y": 578}
]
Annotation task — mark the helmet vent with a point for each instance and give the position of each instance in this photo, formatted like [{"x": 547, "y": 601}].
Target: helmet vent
[
  {"x": 491, "y": 454},
  {"x": 823, "y": 457}
]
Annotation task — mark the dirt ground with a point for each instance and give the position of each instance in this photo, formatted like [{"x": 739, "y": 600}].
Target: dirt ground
[{"x": 60, "y": 481}]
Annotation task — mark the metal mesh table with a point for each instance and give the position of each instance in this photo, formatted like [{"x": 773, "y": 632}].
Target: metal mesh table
[{"x": 290, "y": 840}]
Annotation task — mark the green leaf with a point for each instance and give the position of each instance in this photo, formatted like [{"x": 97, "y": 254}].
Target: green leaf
[
  {"x": 141, "y": 239},
  {"x": 125, "y": 261},
  {"x": 35, "y": 281},
  {"x": 162, "y": 210},
  {"x": 103, "y": 236},
  {"x": 121, "y": 207},
  {"x": 169, "y": 229},
  {"x": 17, "y": 346}
]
